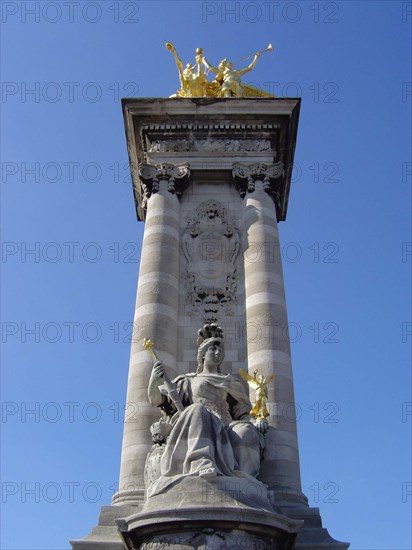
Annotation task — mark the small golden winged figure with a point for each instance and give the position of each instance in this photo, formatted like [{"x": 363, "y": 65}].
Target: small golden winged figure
[{"x": 260, "y": 384}]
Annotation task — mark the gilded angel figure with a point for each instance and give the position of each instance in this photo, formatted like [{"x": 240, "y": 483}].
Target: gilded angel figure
[{"x": 260, "y": 384}]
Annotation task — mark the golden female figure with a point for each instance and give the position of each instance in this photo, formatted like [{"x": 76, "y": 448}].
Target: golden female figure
[{"x": 192, "y": 83}]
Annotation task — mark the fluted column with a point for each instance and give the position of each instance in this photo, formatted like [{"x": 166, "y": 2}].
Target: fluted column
[
  {"x": 156, "y": 316},
  {"x": 266, "y": 318}
]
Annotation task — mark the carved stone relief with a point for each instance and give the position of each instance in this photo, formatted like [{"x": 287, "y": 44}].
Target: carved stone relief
[
  {"x": 211, "y": 244},
  {"x": 211, "y": 539},
  {"x": 209, "y": 145}
]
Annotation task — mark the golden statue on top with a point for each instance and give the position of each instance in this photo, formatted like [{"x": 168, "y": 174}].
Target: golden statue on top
[{"x": 227, "y": 82}]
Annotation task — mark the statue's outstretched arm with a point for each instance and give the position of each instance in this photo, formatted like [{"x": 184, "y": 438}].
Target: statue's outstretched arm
[
  {"x": 251, "y": 66},
  {"x": 179, "y": 62},
  {"x": 199, "y": 62},
  {"x": 172, "y": 49},
  {"x": 209, "y": 66}
]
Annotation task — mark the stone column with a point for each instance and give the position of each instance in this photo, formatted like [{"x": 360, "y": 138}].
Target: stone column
[
  {"x": 266, "y": 326},
  {"x": 156, "y": 316}
]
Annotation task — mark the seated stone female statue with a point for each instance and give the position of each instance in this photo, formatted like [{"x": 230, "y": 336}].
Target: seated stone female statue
[{"x": 214, "y": 434}]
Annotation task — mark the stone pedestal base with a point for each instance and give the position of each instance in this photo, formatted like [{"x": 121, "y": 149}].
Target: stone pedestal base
[
  {"x": 222, "y": 525},
  {"x": 219, "y": 513},
  {"x": 313, "y": 536},
  {"x": 217, "y": 492},
  {"x": 211, "y": 528},
  {"x": 105, "y": 536}
]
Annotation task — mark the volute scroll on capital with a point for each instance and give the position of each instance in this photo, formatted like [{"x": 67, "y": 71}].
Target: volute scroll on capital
[
  {"x": 176, "y": 177},
  {"x": 245, "y": 177},
  {"x": 256, "y": 172}
]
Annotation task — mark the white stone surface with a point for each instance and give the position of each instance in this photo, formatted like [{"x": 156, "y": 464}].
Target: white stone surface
[{"x": 162, "y": 303}]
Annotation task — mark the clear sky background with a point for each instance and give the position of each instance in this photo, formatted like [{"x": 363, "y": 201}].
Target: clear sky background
[{"x": 67, "y": 306}]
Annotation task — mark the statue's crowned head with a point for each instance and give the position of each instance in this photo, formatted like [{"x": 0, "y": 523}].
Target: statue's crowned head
[{"x": 208, "y": 335}]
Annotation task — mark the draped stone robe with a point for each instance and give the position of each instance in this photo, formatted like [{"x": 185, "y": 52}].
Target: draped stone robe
[{"x": 210, "y": 432}]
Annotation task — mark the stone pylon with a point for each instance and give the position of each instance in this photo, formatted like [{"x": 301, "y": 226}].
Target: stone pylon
[{"x": 211, "y": 180}]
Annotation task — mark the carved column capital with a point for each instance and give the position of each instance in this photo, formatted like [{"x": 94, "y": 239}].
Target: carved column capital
[
  {"x": 251, "y": 173},
  {"x": 246, "y": 176},
  {"x": 176, "y": 177}
]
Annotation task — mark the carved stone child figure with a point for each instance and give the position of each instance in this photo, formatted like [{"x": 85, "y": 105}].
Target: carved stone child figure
[{"x": 160, "y": 431}]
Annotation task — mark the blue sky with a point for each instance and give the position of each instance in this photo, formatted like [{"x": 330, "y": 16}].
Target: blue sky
[{"x": 67, "y": 306}]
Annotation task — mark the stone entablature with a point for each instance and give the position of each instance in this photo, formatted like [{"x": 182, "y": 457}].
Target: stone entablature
[{"x": 211, "y": 135}]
